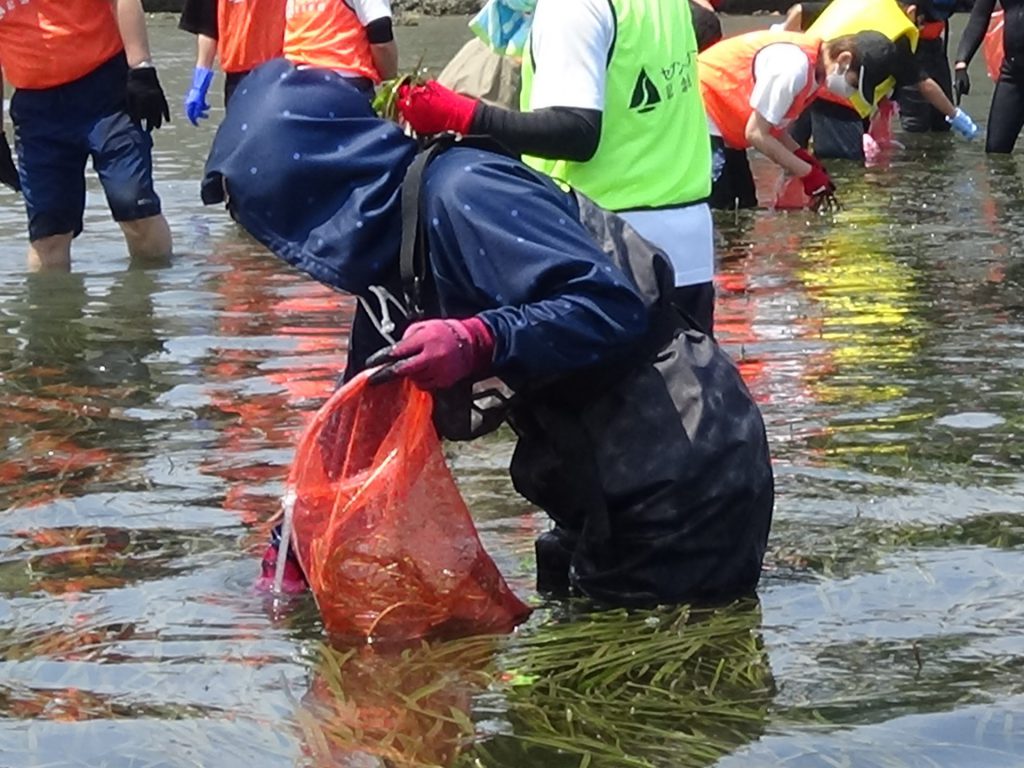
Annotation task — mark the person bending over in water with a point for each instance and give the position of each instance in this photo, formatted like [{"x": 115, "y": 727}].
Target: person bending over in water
[
  {"x": 836, "y": 124},
  {"x": 635, "y": 431},
  {"x": 755, "y": 85}
]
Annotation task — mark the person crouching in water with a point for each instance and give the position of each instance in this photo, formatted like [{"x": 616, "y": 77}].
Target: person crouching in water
[
  {"x": 837, "y": 125},
  {"x": 755, "y": 85},
  {"x": 635, "y": 431}
]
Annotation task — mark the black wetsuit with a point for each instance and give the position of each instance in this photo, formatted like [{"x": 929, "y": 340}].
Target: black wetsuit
[{"x": 1006, "y": 117}]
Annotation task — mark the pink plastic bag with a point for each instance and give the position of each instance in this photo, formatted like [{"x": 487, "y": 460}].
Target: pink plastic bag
[{"x": 790, "y": 195}]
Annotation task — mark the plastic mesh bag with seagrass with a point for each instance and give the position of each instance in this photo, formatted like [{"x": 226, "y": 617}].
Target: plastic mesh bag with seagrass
[{"x": 380, "y": 528}]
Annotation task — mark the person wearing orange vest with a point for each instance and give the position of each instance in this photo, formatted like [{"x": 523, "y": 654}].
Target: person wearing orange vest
[
  {"x": 242, "y": 34},
  {"x": 351, "y": 37},
  {"x": 755, "y": 85},
  {"x": 838, "y": 129},
  {"x": 85, "y": 85}
]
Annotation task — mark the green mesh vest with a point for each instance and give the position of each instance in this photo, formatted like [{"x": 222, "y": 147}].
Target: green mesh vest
[{"x": 655, "y": 151}]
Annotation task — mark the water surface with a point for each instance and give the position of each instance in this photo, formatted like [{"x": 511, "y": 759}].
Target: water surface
[{"x": 149, "y": 416}]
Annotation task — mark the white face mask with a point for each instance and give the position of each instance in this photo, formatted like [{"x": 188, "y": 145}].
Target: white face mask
[{"x": 838, "y": 84}]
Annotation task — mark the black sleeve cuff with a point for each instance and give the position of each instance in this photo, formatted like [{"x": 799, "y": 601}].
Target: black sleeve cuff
[{"x": 379, "y": 31}]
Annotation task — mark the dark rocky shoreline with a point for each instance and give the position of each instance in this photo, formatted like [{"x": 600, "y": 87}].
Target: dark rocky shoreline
[{"x": 453, "y": 7}]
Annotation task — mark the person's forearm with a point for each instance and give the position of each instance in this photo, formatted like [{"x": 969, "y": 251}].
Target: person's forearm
[
  {"x": 385, "y": 59},
  {"x": 131, "y": 21},
  {"x": 794, "y": 19},
  {"x": 933, "y": 94},
  {"x": 778, "y": 150},
  {"x": 974, "y": 33},
  {"x": 788, "y": 141},
  {"x": 206, "y": 51},
  {"x": 557, "y": 133}
]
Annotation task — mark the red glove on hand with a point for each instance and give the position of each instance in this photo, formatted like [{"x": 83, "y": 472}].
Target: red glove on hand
[
  {"x": 817, "y": 182},
  {"x": 808, "y": 158},
  {"x": 432, "y": 108},
  {"x": 436, "y": 354}
]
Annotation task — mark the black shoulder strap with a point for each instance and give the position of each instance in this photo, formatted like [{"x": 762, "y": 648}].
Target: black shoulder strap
[{"x": 413, "y": 255}]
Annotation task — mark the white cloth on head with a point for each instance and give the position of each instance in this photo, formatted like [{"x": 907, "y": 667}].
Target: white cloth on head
[{"x": 504, "y": 25}]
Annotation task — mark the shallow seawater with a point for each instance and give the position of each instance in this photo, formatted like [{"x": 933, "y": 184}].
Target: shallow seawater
[{"x": 149, "y": 416}]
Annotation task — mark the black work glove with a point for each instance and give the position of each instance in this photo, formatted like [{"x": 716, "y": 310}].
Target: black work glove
[
  {"x": 8, "y": 171},
  {"x": 147, "y": 104},
  {"x": 961, "y": 84}
]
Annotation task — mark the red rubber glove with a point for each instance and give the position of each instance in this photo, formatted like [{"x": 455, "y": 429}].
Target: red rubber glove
[
  {"x": 817, "y": 182},
  {"x": 436, "y": 354},
  {"x": 808, "y": 158},
  {"x": 432, "y": 108}
]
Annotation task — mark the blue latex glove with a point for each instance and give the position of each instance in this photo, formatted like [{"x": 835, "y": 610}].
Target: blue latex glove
[
  {"x": 963, "y": 124},
  {"x": 196, "y": 108}
]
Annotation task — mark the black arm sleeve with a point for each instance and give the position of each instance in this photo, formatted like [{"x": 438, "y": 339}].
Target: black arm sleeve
[
  {"x": 974, "y": 33},
  {"x": 379, "y": 31},
  {"x": 908, "y": 72},
  {"x": 199, "y": 17},
  {"x": 557, "y": 133}
]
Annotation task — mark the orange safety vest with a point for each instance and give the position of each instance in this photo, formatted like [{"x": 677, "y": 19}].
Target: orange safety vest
[
  {"x": 727, "y": 80},
  {"x": 328, "y": 34},
  {"x": 46, "y": 43},
  {"x": 249, "y": 33}
]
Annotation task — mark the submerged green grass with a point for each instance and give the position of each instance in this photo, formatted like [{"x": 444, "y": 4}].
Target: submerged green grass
[{"x": 615, "y": 688}]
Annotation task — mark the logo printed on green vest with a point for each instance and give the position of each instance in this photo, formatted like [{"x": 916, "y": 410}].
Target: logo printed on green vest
[{"x": 645, "y": 93}]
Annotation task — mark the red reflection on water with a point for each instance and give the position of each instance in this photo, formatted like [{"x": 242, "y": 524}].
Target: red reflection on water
[{"x": 264, "y": 398}]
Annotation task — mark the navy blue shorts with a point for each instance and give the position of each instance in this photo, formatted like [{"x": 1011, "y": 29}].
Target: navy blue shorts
[{"x": 57, "y": 129}]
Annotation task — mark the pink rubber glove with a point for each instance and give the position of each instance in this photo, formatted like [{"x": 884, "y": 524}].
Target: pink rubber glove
[
  {"x": 432, "y": 108},
  {"x": 294, "y": 582},
  {"x": 436, "y": 354},
  {"x": 871, "y": 149}
]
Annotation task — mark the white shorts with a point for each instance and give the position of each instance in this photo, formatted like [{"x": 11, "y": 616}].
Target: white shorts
[{"x": 686, "y": 235}]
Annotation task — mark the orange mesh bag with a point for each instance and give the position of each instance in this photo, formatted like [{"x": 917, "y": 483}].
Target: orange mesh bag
[
  {"x": 379, "y": 526},
  {"x": 993, "y": 45}
]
